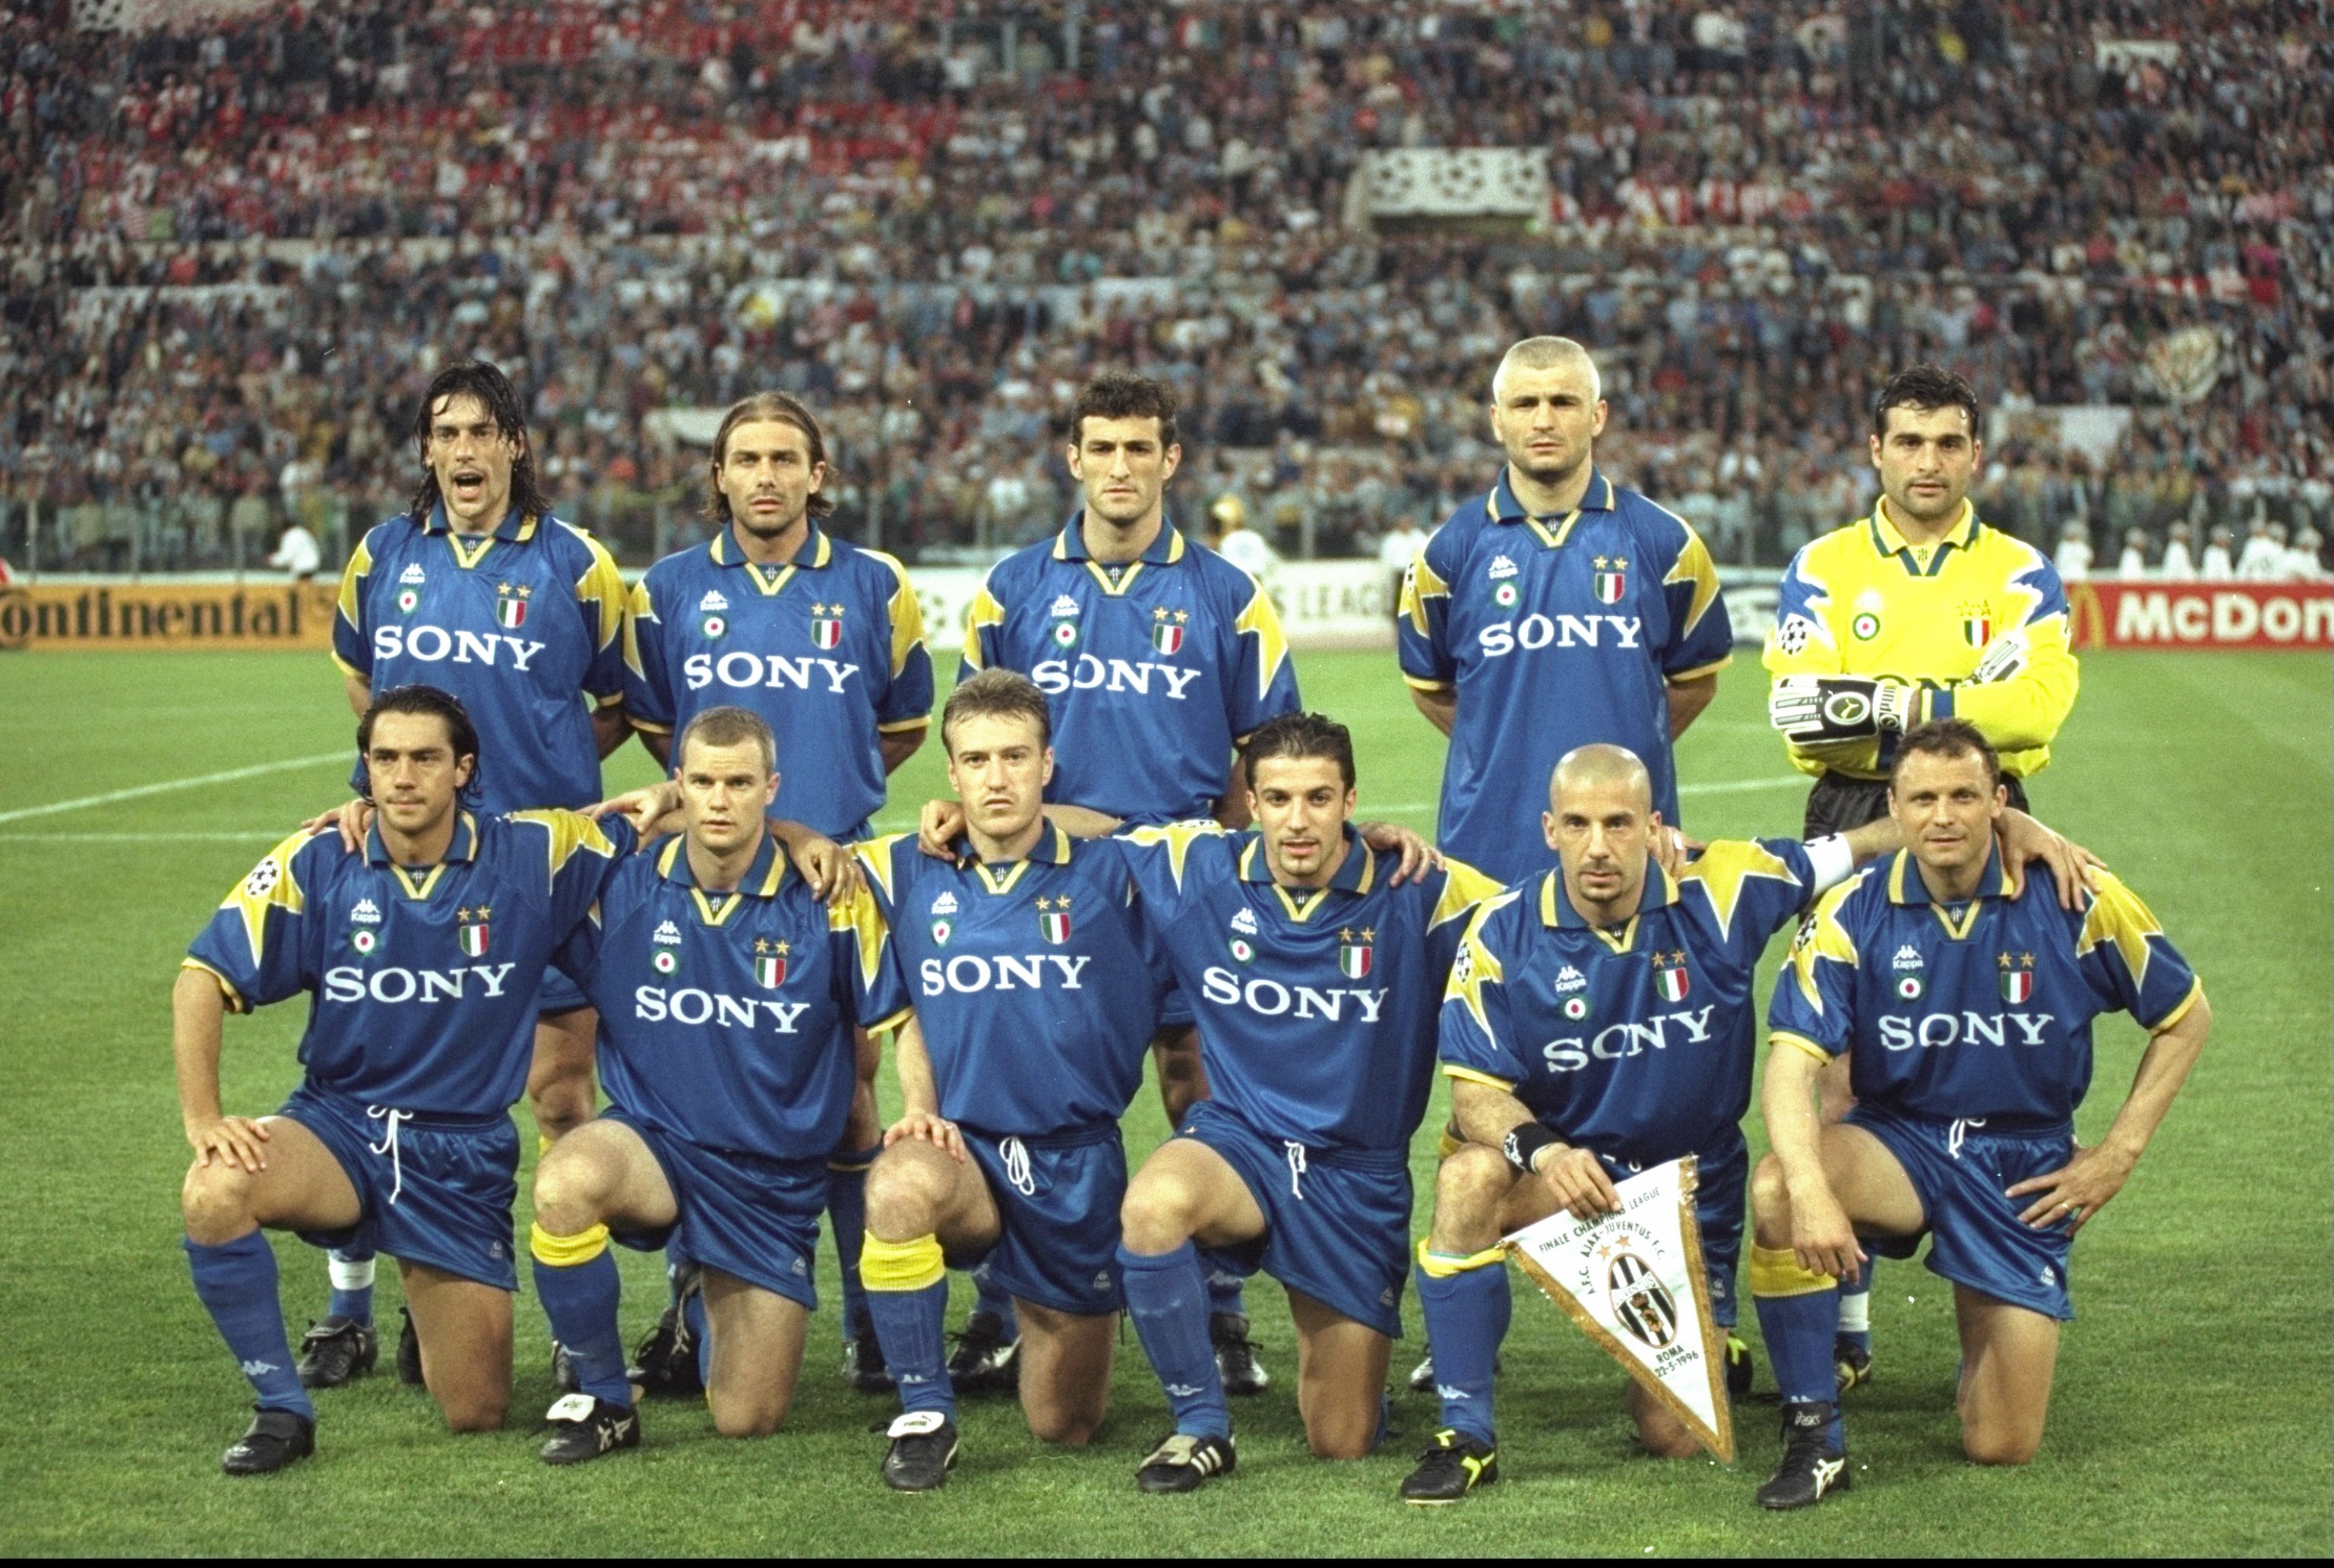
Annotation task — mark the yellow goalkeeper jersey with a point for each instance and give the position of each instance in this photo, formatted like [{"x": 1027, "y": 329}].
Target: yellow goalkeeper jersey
[{"x": 1978, "y": 621}]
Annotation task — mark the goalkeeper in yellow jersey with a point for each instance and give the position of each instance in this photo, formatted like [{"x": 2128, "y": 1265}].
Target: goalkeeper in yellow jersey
[{"x": 1918, "y": 611}]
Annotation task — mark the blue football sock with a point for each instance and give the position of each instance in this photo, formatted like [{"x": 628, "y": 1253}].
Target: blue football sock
[
  {"x": 1856, "y": 1309},
  {"x": 1226, "y": 1281},
  {"x": 693, "y": 1313},
  {"x": 236, "y": 1284},
  {"x": 846, "y": 1212},
  {"x": 991, "y": 1297},
  {"x": 1797, "y": 1327},
  {"x": 581, "y": 1299},
  {"x": 911, "y": 1327},
  {"x": 1466, "y": 1312},
  {"x": 1168, "y": 1299},
  {"x": 352, "y": 1271}
]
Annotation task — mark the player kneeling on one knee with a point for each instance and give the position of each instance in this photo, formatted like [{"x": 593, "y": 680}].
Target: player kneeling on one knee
[
  {"x": 1965, "y": 1008},
  {"x": 400, "y": 1137},
  {"x": 729, "y": 982},
  {"x": 1037, "y": 986}
]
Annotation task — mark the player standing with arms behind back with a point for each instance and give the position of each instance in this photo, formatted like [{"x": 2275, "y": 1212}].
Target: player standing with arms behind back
[
  {"x": 825, "y": 641},
  {"x": 477, "y": 589},
  {"x": 1918, "y": 611},
  {"x": 1160, "y": 658}
]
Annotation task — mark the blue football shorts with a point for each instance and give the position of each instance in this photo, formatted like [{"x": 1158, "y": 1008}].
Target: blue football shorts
[
  {"x": 1336, "y": 1221},
  {"x": 1058, "y": 1199},
  {"x": 432, "y": 1190},
  {"x": 752, "y": 1216},
  {"x": 1962, "y": 1171}
]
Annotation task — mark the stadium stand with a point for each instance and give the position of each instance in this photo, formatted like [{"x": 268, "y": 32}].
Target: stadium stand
[{"x": 235, "y": 248}]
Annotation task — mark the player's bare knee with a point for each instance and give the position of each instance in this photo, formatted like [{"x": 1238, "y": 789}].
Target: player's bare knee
[
  {"x": 1155, "y": 1216},
  {"x": 1470, "y": 1185},
  {"x": 737, "y": 1418},
  {"x": 1334, "y": 1437},
  {"x": 902, "y": 1195},
  {"x": 1771, "y": 1203},
  {"x": 1984, "y": 1446},
  {"x": 475, "y": 1410},
  {"x": 567, "y": 1193},
  {"x": 215, "y": 1203},
  {"x": 1070, "y": 1429}
]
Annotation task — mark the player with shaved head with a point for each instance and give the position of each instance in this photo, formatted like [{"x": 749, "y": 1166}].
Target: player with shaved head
[{"x": 1559, "y": 983}]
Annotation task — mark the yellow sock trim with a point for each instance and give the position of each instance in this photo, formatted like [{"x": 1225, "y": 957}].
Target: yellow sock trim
[
  {"x": 1448, "y": 1145},
  {"x": 543, "y": 1142},
  {"x": 901, "y": 1264},
  {"x": 1775, "y": 1271},
  {"x": 1440, "y": 1265},
  {"x": 567, "y": 1251}
]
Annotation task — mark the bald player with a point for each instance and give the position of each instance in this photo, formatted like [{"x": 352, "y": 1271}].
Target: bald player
[{"x": 1560, "y": 984}]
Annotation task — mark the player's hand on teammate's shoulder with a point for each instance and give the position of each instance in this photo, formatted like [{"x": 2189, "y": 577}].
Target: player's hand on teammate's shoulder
[
  {"x": 1415, "y": 856},
  {"x": 932, "y": 1127},
  {"x": 831, "y": 868},
  {"x": 647, "y": 808},
  {"x": 2025, "y": 842},
  {"x": 937, "y": 827},
  {"x": 1577, "y": 1180},
  {"x": 1673, "y": 850},
  {"x": 234, "y": 1141},
  {"x": 352, "y": 821},
  {"x": 2074, "y": 1194}
]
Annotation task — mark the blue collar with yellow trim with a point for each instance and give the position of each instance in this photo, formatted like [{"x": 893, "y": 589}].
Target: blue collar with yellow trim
[
  {"x": 1906, "y": 886},
  {"x": 1052, "y": 847},
  {"x": 1356, "y": 873},
  {"x": 762, "y": 878},
  {"x": 462, "y": 847},
  {"x": 513, "y": 529},
  {"x": 1502, "y": 506},
  {"x": 1166, "y": 550},
  {"x": 814, "y": 552},
  {"x": 1556, "y": 908}
]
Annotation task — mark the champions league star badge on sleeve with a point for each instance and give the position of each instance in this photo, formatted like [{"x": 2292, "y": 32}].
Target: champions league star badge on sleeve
[{"x": 1633, "y": 1281}]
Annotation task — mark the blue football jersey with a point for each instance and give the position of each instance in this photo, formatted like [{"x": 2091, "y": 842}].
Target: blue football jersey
[
  {"x": 1557, "y": 632},
  {"x": 423, "y": 978},
  {"x": 522, "y": 624},
  {"x": 726, "y": 1018},
  {"x": 1981, "y": 1010},
  {"x": 1154, "y": 671},
  {"x": 1316, "y": 1006},
  {"x": 1635, "y": 1040},
  {"x": 1037, "y": 982},
  {"x": 829, "y": 650}
]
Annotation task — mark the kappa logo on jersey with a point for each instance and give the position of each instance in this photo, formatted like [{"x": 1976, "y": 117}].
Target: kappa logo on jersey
[
  {"x": 1612, "y": 577},
  {"x": 744, "y": 671},
  {"x": 970, "y": 972},
  {"x": 713, "y": 600},
  {"x": 413, "y": 576},
  {"x": 1671, "y": 981},
  {"x": 667, "y": 937},
  {"x": 473, "y": 924},
  {"x": 434, "y": 644},
  {"x": 510, "y": 605},
  {"x": 1618, "y": 1042},
  {"x": 1054, "y": 919},
  {"x": 1271, "y": 999},
  {"x": 1086, "y": 673},
  {"x": 770, "y": 963},
  {"x": 1354, "y": 953},
  {"x": 1243, "y": 928},
  {"x": 1167, "y": 628},
  {"x": 2017, "y": 978},
  {"x": 1977, "y": 624},
  {"x": 655, "y": 1005},
  {"x": 826, "y": 626},
  {"x": 1063, "y": 633},
  {"x": 1569, "y": 979},
  {"x": 366, "y": 913},
  {"x": 1907, "y": 965},
  {"x": 409, "y": 585},
  {"x": 945, "y": 903},
  {"x": 346, "y": 983},
  {"x": 710, "y": 610},
  {"x": 1503, "y": 590}
]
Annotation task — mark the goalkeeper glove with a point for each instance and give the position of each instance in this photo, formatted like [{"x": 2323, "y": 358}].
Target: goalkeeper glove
[{"x": 1814, "y": 708}]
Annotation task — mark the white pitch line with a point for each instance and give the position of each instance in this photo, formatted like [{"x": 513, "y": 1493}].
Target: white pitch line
[
  {"x": 248, "y": 836},
  {"x": 197, "y": 781}
]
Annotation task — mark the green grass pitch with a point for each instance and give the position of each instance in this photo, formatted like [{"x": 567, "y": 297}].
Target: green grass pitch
[{"x": 2191, "y": 1407}]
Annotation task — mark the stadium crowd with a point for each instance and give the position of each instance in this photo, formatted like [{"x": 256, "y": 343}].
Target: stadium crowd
[{"x": 235, "y": 249}]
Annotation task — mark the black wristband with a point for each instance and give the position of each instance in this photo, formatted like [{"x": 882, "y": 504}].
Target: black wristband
[{"x": 1523, "y": 1140}]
